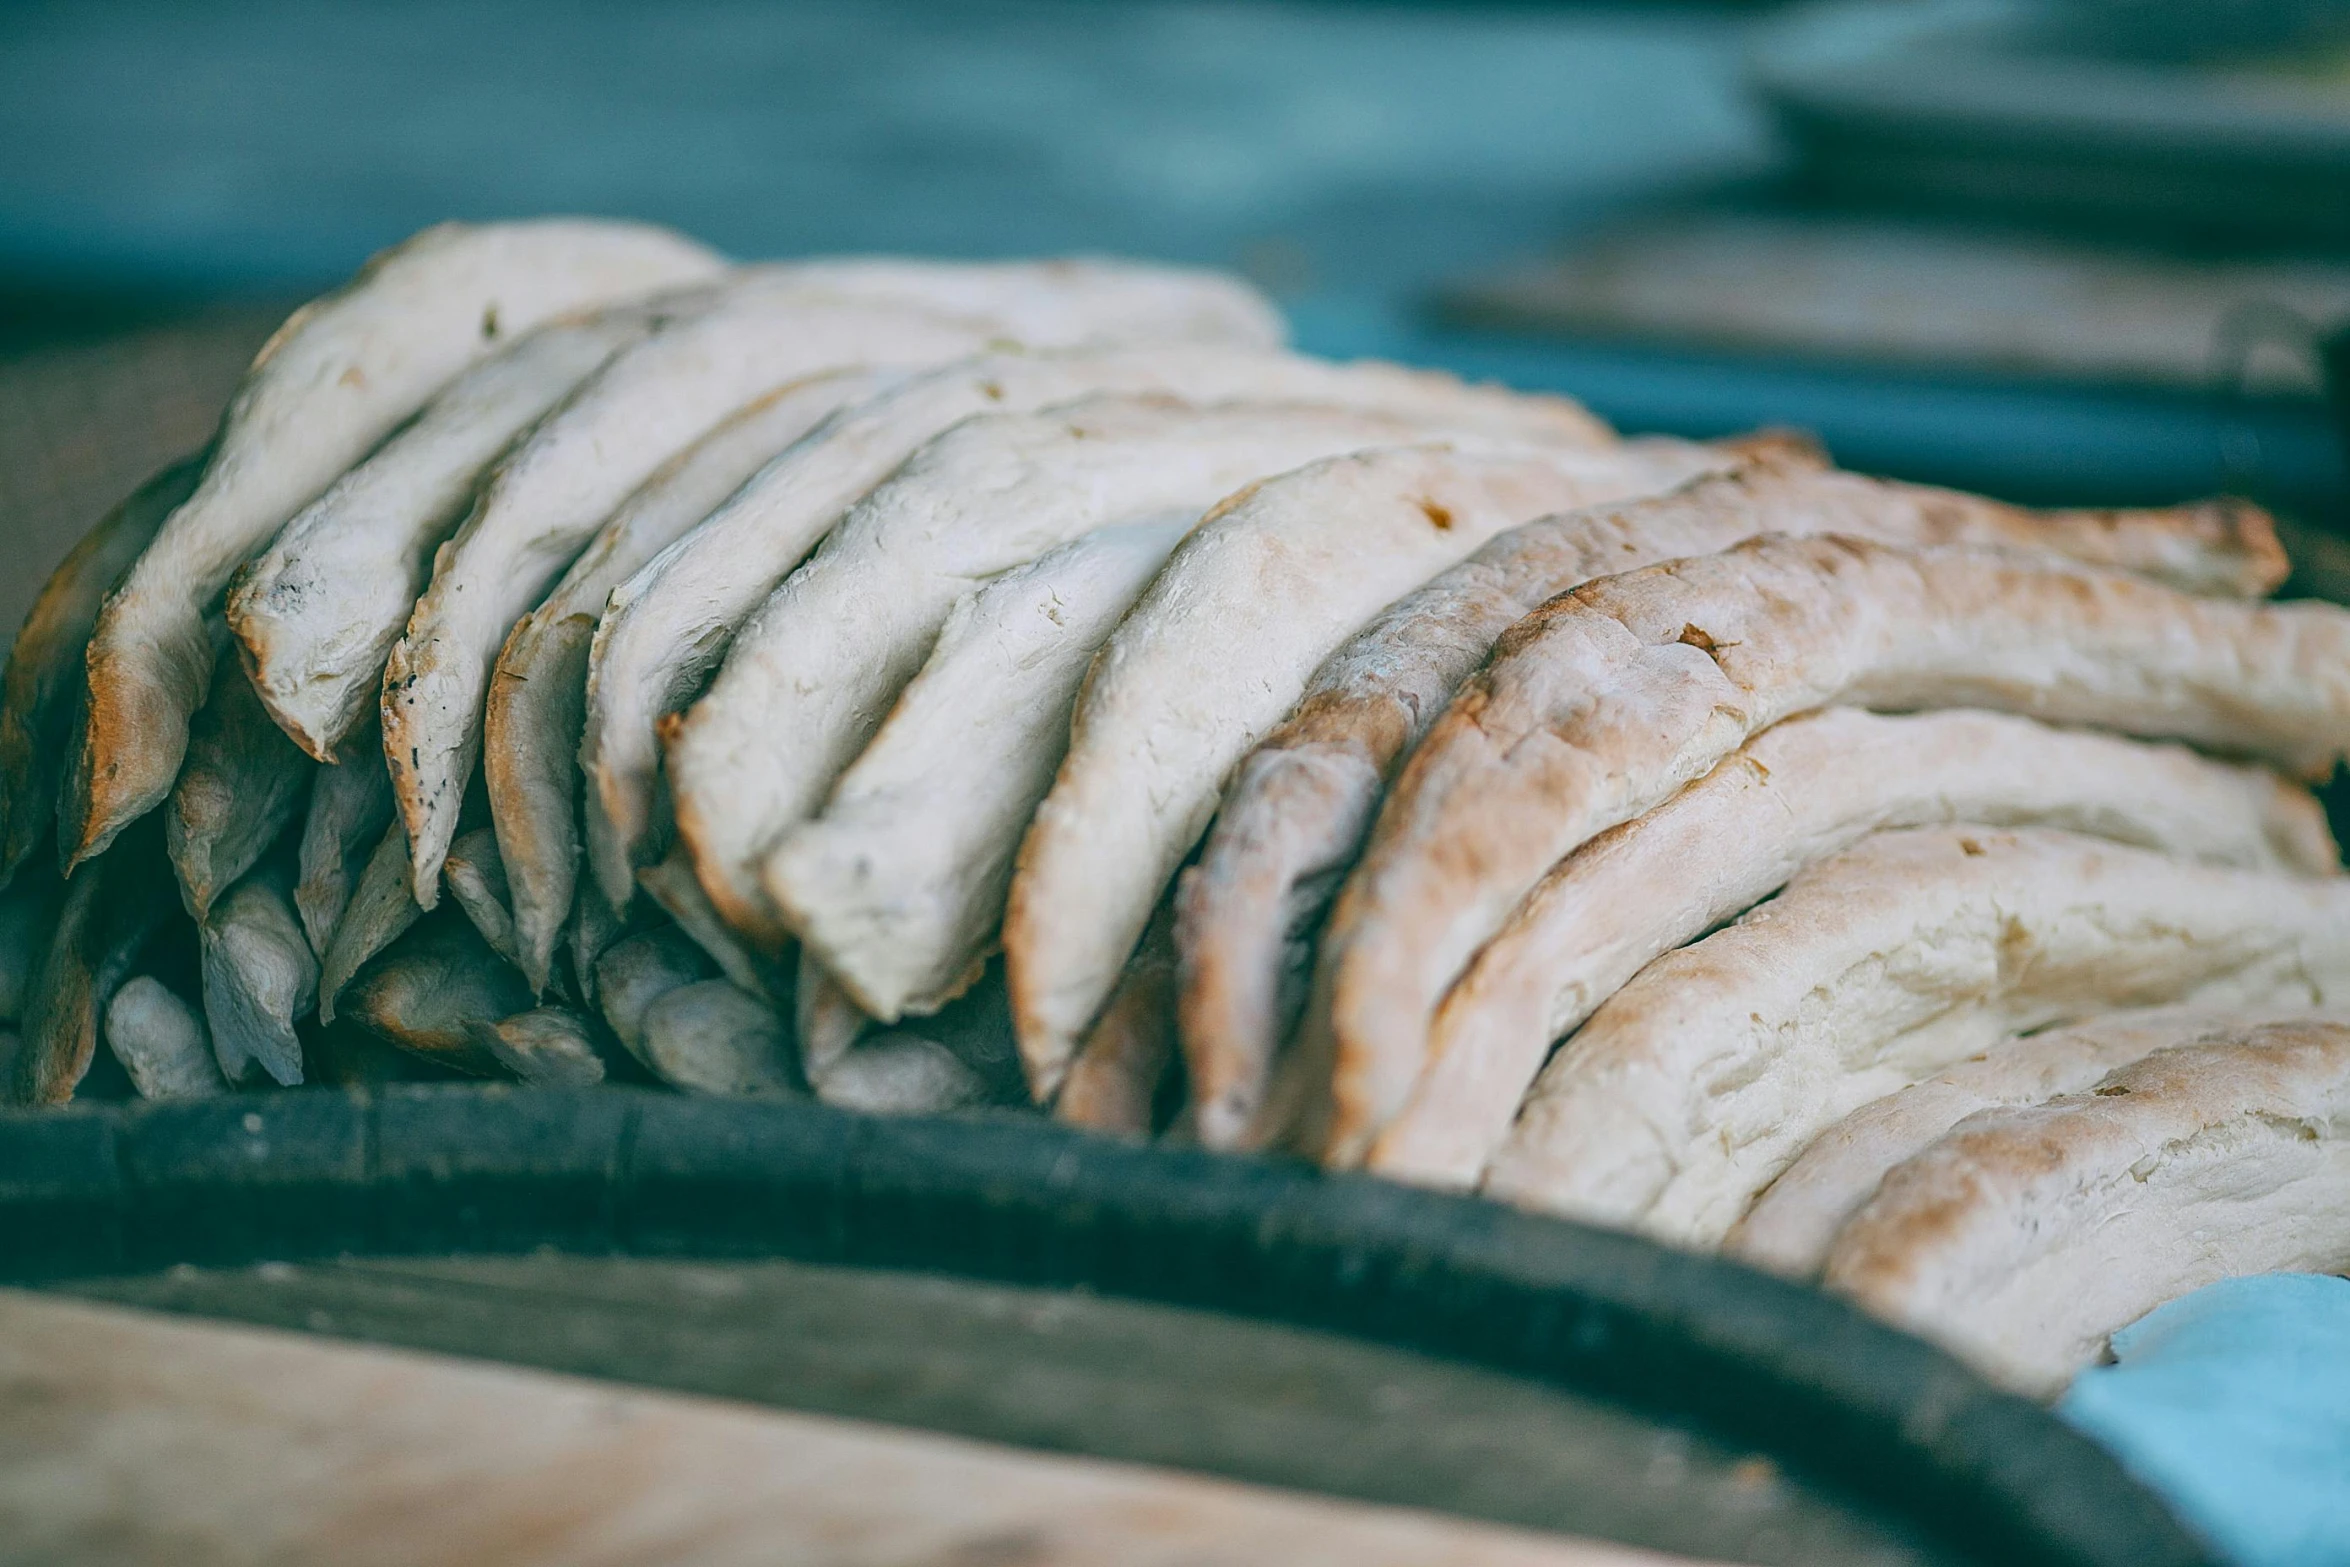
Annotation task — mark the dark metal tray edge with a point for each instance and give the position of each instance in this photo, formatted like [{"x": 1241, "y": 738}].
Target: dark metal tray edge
[{"x": 486, "y": 1169}]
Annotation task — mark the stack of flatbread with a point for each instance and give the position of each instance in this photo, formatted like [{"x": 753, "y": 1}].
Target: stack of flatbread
[{"x": 925, "y": 685}]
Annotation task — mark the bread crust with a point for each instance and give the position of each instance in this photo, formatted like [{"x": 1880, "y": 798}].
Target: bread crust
[
  {"x": 1602, "y": 703},
  {"x": 1115, "y": 1080},
  {"x": 1794, "y": 1220},
  {"x": 435, "y": 990},
  {"x": 668, "y": 627},
  {"x": 2026, "y": 1236},
  {"x": 1696, "y": 1084},
  {"x": 1797, "y": 793},
  {"x": 1294, "y": 819},
  {"x": 1219, "y": 650},
  {"x": 340, "y": 375}
]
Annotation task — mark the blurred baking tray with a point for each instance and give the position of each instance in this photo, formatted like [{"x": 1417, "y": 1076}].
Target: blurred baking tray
[{"x": 2225, "y": 123}]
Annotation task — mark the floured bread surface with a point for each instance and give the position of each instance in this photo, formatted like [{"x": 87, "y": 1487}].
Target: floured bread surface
[
  {"x": 1794, "y": 1222},
  {"x": 538, "y": 686},
  {"x": 1218, "y": 650},
  {"x": 1700, "y": 1081},
  {"x": 340, "y": 375},
  {"x": 316, "y": 613},
  {"x": 669, "y": 625},
  {"x": 44, "y": 675},
  {"x": 811, "y": 677},
  {"x": 1602, "y": 703},
  {"x": 2025, "y": 1237},
  {"x": 1295, "y": 816},
  {"x": 548, "y": 498},
  {"x": 898, "y": 884},
  {"x": 1798, "y": 792}
]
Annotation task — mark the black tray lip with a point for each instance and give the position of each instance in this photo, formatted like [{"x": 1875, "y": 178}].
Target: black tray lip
[{"x": 404, "y": 1170}]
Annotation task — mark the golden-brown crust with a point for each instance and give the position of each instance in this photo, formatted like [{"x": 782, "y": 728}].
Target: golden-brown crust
[{"x": 1604, "y": 700}]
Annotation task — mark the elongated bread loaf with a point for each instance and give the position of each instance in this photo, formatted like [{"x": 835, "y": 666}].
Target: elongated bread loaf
[
  {"x": 2025, "y": 1237},
  {"x": 1795, "y": 1219}
]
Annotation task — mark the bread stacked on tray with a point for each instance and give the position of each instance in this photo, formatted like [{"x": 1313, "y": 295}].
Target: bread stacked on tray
[{"x": 930, "y": 685}]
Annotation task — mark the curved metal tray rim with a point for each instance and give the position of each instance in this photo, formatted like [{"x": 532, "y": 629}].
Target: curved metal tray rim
[{"x": 411, "y": 1170}]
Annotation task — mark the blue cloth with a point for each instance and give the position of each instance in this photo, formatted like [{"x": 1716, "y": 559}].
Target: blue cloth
[{"x": 2234, "y": 1404}]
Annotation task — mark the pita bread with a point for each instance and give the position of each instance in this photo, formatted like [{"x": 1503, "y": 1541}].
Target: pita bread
[
  {"x": 1602, "y": 703},
  {"x": 1116, "y": 1081},
  {"x": 339, "y": 376},
  {"x": 240, "y": 788},
  {"x": 634, "y": 973},
  {"x": 111, "y": 911},
  {"x": 434, "y": 992},
  {"x": 1298, "y": 808},
  {"x": 812, "y": 676},
  {"x": 547, "y": 1047},
  {"x": 259, "y": 975},
  {"x": 669, "y": 626},
  {"x": 546, "y": 500},
  {"x": 1702, "y": 1079},
  {"x": 710, "y": 1038},
  {"x": 2025, "y": 1237},
  {"x": 1795, "y": 1219},
  {"x": 350, "y": 805},
  {"x": 43, "y": 683},
  {"x": 1797, "y": 793},
  {"x": 1218, "y": 651},
  {"x": 538, "y": 687},
  {"x": 898, "y": 884},
  {"x": 161, "y": 1042},
  {"x": 317, "y": 612},
  {"x": 476, "y": 876}
]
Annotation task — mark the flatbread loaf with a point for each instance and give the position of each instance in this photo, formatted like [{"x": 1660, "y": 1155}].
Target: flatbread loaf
[
  {"x": 1795, "y": 1219},
  {"x": 2025, "y": 1237}
]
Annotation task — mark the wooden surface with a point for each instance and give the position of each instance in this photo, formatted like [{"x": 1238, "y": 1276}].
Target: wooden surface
[
  {"x": 132, "y": 1439},
  {"x": 1069, "y": 1372}
]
